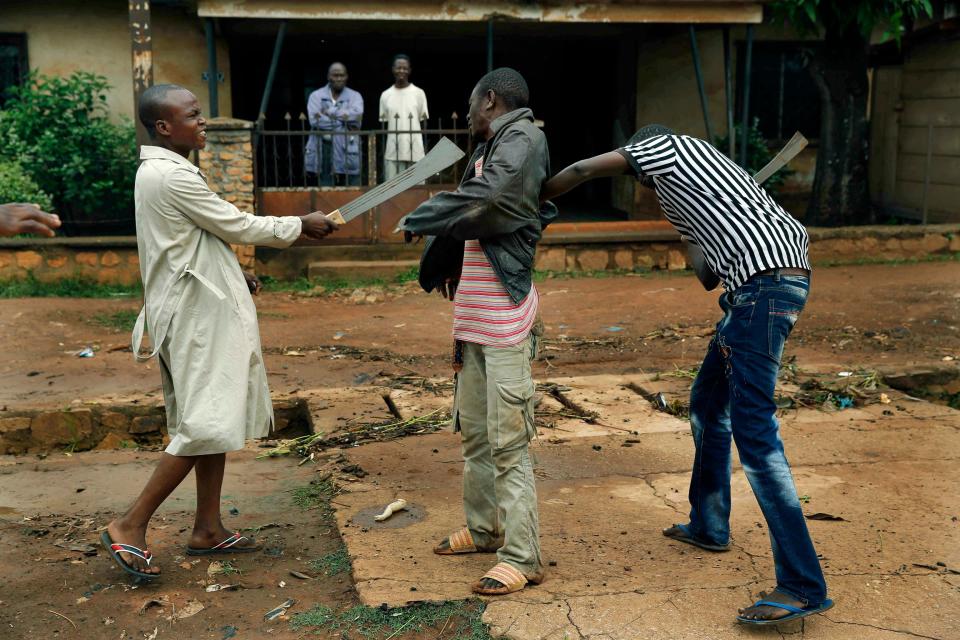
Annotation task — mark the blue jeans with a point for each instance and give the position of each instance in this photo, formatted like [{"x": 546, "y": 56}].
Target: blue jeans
[{"x": 733, "y": 397}]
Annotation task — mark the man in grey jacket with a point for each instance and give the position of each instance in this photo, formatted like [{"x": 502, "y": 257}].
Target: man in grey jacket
[{"x": 481, "y": 257}]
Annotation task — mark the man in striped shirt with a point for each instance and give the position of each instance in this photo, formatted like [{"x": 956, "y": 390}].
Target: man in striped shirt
[
  {"x": 759, "y": 252},
  {"x": 480, "y": 255}
]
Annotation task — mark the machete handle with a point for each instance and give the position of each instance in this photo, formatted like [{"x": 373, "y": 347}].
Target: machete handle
[{"x": 336, "y": 217}]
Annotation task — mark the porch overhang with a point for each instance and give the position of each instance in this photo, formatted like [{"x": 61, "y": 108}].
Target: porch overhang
[{"x": 561, "y": 11}]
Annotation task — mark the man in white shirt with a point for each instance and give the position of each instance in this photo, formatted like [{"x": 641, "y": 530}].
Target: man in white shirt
[{"x": 403, "y": 107}]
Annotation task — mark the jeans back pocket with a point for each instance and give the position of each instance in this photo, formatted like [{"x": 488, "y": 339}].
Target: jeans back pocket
[{"x": 783, "y": 315}]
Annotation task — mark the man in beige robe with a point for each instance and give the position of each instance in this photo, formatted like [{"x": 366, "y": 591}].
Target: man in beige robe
[{"x": 202, "y": 323}]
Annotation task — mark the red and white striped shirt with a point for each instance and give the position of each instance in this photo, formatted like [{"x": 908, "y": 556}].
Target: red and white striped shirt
[{"x": 483, "y": 312}]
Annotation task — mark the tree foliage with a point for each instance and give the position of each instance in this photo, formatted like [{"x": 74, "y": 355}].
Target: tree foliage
[
  {"x": 58, "y": 129},
  {"x": 838, "y": 65},
  {"x": 758, "y": 155},
  {"x": 17, "y": 186},
  {"x": 808, "y": 16}
]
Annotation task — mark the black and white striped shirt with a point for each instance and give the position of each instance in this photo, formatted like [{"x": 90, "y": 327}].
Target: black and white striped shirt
[{"x": 716, "y": 204}]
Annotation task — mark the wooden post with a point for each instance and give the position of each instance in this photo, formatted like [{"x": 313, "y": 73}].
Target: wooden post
[{"x": 141, "y": 46}]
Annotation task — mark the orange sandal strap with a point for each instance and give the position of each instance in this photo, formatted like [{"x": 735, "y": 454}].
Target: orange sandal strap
[
  {"x": 508, "y": 576},
  {"x": 462, "y": 542}
]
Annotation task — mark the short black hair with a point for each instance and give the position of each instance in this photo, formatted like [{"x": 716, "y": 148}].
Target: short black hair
[
  {"x": 401, "y": 56},
  {"x": 508, "y": 84},
  {"x": 152, "y": 104},
  {"x": 649, "y": 131}
]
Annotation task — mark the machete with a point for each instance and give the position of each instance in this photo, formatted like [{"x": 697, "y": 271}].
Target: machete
[
  {"x": 707, "y": 277},
  {"x": 443, "y": 154}
]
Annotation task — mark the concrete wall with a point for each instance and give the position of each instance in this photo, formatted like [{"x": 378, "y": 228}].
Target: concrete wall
[
  {"x": 63, "y": 37},
  {"x": 924, "y": 91}
]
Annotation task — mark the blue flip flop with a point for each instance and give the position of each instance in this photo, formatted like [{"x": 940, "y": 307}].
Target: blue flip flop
[
  {"x": 680, "y": 533},
  {"x": 795, "y": 612},
  {"x": 115, "y": 548}
]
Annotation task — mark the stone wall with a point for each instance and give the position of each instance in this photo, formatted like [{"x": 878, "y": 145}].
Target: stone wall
[
  {"x": 654, "y": 246},
  {"x": 659, "y": 248},
  {"x": 113, "y": 427},
  {"x": 621, "y": 256},
  {"x": 104, "y": 260},
  {"x": 227, "y": 163}
]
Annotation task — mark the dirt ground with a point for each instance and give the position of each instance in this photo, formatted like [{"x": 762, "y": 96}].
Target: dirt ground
[
  {"x": 889, "y": 470},
  {"x": 873, "y": 315}
]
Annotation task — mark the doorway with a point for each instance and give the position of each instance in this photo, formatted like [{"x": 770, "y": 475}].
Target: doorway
[{"x": 582, "y": 79}]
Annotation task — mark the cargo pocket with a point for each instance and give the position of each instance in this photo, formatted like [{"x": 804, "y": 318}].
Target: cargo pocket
[{"x": 514, "y": 413}]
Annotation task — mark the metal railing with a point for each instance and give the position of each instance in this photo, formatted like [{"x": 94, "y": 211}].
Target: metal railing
[{"x": 282, "y": 154}]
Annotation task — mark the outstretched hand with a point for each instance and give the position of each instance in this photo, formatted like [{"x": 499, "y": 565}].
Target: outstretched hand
[
  {"x": 19, "y": 217},
  {"x": 316, "y": 226}
]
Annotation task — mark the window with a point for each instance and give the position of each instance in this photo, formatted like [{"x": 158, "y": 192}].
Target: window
[
  {"x": 783, "y": 94},
  {"x": 13, "y": 62}
]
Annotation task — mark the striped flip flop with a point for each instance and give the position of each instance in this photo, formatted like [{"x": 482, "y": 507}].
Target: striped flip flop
[
  {"x": 227, "y": 546},
  {"x": 115, "y": 548}
]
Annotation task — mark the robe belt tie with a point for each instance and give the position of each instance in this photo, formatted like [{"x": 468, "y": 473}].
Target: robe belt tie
[{"x": 169, "y": 302}]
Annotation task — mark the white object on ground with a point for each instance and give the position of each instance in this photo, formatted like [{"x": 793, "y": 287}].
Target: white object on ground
[{"x": 397, "y": 505}]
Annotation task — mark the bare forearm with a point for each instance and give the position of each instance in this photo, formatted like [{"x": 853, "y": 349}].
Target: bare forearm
[
  {"x": 604, "y": 165},
  {"x": 562, "y": 182}
]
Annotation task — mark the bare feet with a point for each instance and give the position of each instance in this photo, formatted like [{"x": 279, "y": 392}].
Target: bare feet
[
  {"x": 122, "y": 533},
  {"x": 764, "y": 612},
  {"x": 207, "y": 539}
]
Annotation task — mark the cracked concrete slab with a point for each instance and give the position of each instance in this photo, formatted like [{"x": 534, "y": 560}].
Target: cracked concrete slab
[{"x": 892, "y": 478}]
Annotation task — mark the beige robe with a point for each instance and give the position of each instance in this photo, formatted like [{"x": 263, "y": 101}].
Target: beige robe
[{"x": 202, "y": 321}]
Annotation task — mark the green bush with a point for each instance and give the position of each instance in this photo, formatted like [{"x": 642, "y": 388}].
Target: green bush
[
  {"x": 59, "y": 131},
  {"x": 758, "y": 155},
  {"x": 17, "y": 186}
]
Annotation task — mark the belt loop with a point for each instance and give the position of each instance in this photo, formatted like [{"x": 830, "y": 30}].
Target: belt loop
[{"x": 776, "y": 274}]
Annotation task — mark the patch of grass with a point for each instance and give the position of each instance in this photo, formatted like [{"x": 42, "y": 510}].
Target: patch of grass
[
  {"x": 329, "y": 285},
  {"x": 689, "y": 373},
  {"x": 227, "y": 568},
  {"x": 320, "y": 616},
  {"x": 30, "y": 287},
  {"x": 315, "y": 495},
  {"x": 937, "y": 257},
  {"x": 541, "y": 276},
  {"x": 458, "y": 619},
  {"x": 332, "y": 564},
  {"x": 118, "y": 320},
  {"x": 275, "y": 315}
]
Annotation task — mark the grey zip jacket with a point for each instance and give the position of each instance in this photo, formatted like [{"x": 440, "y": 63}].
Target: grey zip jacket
[{"x": 501, "y": 208}]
